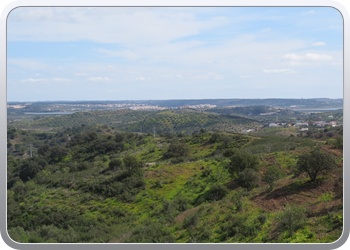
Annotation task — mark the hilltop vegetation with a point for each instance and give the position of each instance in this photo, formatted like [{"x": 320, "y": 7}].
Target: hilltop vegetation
[
  {"x": 182, "y": 121},
  {"x": 94, "y": 184}
]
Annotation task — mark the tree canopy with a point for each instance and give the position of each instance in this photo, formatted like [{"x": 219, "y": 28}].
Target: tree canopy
[{"x": 315, "y": 162}]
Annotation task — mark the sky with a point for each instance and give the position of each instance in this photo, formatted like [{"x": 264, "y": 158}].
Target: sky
[{"x": 134, "y": 53}]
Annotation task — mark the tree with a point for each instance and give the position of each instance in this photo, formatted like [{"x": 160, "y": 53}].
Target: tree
[
  {"x": 120, "y": 137},
  {"x": 58, "y": 152},
  {"x": 131, "y": 163},
  {"x": 248, "y": 178},
  {"x": 177, "y": 150},
  {"x": 43, "y": 149},
  {"x": 115, "y": 164},
  {"x": 29, "y": 169},
  {"x": 339, "y": 142},
  {"x": 215, "y": 137},
  {"x": 291, "y": 218},
  {"x": 315, "y": 162},
  {"x": 272, "y": 174},
  {"x": 330, "y": 134},
  {"x": 229, "y": 152},
  {"x": 242, "y": 160},
  {"x": 226, "y": 140}
]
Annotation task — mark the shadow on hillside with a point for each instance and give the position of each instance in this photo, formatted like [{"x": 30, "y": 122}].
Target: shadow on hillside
[{"x": 290, "y": 189}]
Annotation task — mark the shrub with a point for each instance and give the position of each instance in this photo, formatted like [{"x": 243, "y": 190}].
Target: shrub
[
  {"x": 272, "y": 174},
  {"x": 291, "y": 218},
  {"x": 83, "y": 166},
  {"x": 248, "y": 178},
  {"x": 218, "y": 191},
  {"x": 229, "y": 152},
  {"x": 18, "y": 234},
  {"x": 242, "y": 160},
  {"x": 262, "y": 218},
  {"x": 178, "y": 150},
  {"x": 115, "y": 164},
  {"x": 330, "y": 134},
  {"x": 215, "y": 137},
  {"x": 151, "y": 233},
  {"x": 191, "y": 221},
  {"x": 326, "y": 198},
  {"x": 339, "y": 142}
]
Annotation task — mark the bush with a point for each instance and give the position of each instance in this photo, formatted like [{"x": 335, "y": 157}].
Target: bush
[
  {"x": 191, "y": 221},
  {"x": 83, "y": 166},
  {"x": 242, "y": 160},
  {"x": 218, "y": 191},
  {"x": 291, "y": 218},
  {"x": 248, "y": 178},
  {"x": 215, "y": 137},
  {"x": 115, "y": 164},
  {"x": 229, "y": 152},
  {"x": 262, "y": 218},
  {"x": 339, "y": 142},
  {"x": 272, "y": 174},
  {"x": 151, "y": 233},
  {"x": 330, "y": 134},
  {"x": 178, "y": 150},
  {"x": 18, "y": 234}
]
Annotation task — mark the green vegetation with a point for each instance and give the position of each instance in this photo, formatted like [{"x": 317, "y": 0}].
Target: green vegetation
[
  {"x": 133, "y": 121},
  {"x": 315, "y": 162},
  {"x": 93, "y": 183}
]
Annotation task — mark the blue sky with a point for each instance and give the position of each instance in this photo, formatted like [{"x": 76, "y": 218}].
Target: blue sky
[{"x": 100, "y": 53}]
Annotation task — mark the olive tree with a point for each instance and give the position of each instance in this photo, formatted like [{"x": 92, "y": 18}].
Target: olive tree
[
  {"x": 242, "y": 160},
  {"x": 314, "y": 163},
  {"x": 131, "y": 163}
]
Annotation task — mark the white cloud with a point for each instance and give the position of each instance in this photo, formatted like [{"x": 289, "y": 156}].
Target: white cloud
[
  {"x": 47, "y": 80},
  {"x": 141, "y": 78},
  {"x": 27, "y": 64},
  {"x": 319, "y": 44},
  {"x": 207, "y": 76},
  {"x": 267, "y": 29},
  {"x": 309, "y": 12},
  {"x": 144, "y": 25},
  {"x": 99, "y": 79},
  {"x": 285, "y": 71},
  {"x": 80, "y": 74},
  {"x": 171, "y": 76},
  {"x": 245, "y": 76},
  {"x": 307, "y": 57},
  {"x": 37, "y": 74},
  {"x": 61, "y": 79},
  {"x": 33, "y": 80}
]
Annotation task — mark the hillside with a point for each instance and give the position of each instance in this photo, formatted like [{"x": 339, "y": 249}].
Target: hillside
[
  {"x": 188, "y": 122},
  {"x": 88, "y": 118},
  {"x": 185, "y": 121},
  {"x": 128, "y": 187}
]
